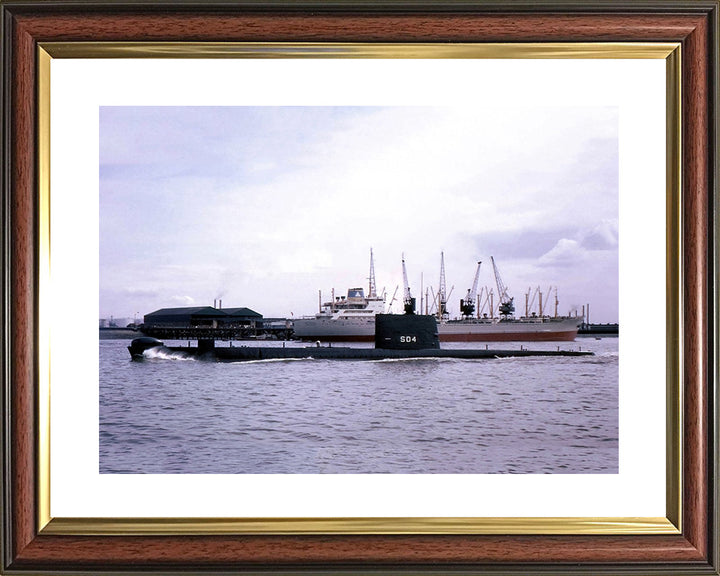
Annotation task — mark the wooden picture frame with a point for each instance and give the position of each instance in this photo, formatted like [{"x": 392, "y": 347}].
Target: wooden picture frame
[{"x": 29, "y": 547}]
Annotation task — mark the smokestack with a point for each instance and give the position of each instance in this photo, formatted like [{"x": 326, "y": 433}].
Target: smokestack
[
  {"x": 215, "y": 303},
  {"x": 220, "y": 301}
]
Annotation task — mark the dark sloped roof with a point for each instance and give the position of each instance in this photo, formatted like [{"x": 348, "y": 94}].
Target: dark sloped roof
[
  {"x": 241, "y": 312},
  {"x": 192, "y": 311}
]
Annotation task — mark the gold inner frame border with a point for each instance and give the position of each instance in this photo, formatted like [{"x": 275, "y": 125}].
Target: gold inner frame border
[{"x": 671, "y": 524}]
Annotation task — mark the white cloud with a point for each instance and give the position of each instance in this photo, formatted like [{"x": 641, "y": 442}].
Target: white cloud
[
  {"x": 182, "y": 300},
  {"x": 604, "y": 236},
  {"x": 565, "y": 253}
]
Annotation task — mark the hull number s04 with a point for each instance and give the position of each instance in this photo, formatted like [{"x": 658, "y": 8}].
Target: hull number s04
[{"x": 408, "y": 339}]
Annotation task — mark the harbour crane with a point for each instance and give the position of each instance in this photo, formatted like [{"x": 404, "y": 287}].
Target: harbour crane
[
  {"x": 442, "y": 291},
  {"x": 467, "y": 305},
  {"x": 506, "y": 307},
  {"x": 392, "y": 300},
  {"x": 408, "y": 300},
  {"x": 435, "y": 299}
]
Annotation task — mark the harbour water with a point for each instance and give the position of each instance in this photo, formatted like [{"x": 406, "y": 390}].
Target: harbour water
[{"x": 173, "y": 415}]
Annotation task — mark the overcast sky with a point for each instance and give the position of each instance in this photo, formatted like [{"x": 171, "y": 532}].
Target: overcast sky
[{"x": 264, "y": 206}]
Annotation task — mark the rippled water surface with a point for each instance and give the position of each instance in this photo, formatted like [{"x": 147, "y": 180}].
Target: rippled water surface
[{"x": 515, "y": 415}]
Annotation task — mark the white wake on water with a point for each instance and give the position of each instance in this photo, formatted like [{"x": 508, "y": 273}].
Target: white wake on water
[
  {"x": 417, "y": 359},
  {"x": 161, "y": 353},
  {"x": 272, "y": 360}
]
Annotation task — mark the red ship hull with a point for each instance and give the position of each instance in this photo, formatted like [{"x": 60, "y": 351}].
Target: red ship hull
[{"x": 568, "y": 336}]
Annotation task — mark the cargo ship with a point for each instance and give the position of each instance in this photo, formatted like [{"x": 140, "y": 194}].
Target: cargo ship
[
  {"x": 352, "y": 318},
  {"x": 563, "y": 329}
]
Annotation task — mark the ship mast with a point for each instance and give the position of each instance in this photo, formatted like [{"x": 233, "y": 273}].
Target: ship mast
[{"x": 372, "y": 291}]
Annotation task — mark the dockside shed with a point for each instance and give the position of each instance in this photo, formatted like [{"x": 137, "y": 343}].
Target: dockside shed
[
  {"x": 243, "y": 317},
  {"x": 182, "y": 317}
]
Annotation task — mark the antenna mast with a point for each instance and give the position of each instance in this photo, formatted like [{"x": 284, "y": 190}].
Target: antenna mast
[{"x": 372, "y": 292}]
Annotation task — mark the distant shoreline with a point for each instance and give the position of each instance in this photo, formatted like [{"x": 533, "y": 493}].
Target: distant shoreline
[
  {"x": 117, "y": 333},
  {"x": 610, "y": 329}
]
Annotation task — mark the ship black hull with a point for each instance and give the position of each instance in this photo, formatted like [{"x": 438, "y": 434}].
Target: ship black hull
[{"x": 257, "y": 353}]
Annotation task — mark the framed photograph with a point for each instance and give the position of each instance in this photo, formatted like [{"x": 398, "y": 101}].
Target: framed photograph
[{"x": 274, "y": 209}]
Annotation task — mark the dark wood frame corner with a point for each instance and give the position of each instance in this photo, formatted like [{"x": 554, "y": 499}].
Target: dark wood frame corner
[{"x": 28, "y": 23}]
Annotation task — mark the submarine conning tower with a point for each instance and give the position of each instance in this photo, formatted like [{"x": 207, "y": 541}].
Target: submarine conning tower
[{"x": 406, "y": 332}]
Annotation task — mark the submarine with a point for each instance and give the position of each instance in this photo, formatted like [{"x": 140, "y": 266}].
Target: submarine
[{"x": 397, "y": 336}]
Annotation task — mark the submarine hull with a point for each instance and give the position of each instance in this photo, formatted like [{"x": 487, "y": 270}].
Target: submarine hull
[
  {"x": 256, "y": 353},
  {"x": 397, "y": 337}
]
